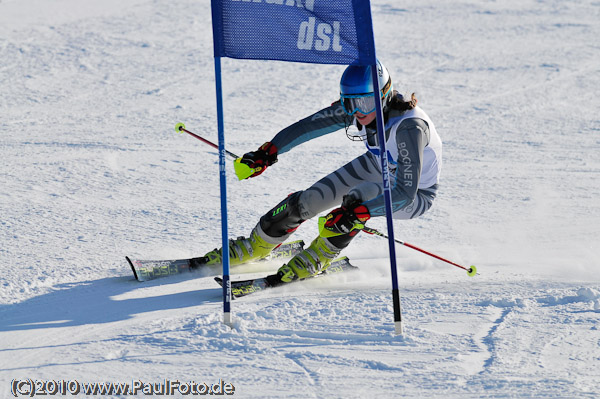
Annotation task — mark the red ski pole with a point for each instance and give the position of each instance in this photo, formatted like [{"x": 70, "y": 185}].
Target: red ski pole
[
  {"x": 242, "y": 170},
  {"x": 180, "y": 128},
  {"x": 471, "y": 271}
]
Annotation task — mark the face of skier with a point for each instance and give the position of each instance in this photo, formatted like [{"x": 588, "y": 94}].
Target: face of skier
[
  {"x": 365, "y": 119},
  {"x": 362, "y": 106}
]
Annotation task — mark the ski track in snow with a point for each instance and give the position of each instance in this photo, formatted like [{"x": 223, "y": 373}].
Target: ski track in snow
[{"x": 92, "y": 171}]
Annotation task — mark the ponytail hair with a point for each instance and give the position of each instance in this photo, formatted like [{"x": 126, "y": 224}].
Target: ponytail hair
[{"x": 398, "y": 103}]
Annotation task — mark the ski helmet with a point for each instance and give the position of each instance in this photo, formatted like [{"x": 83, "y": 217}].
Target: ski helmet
[{"x": 356, "y": 88}]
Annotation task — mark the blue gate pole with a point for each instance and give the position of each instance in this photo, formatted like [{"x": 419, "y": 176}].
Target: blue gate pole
[
  {"x": 223, "y": 183},
  {"x": 388, "y": 201}
]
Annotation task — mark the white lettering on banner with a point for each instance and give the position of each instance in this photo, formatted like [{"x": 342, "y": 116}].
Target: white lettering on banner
[
  {"x": 327, "y": 35},
  {"x": 308, "y": 4},
  {"x": 306, "y": 36}
]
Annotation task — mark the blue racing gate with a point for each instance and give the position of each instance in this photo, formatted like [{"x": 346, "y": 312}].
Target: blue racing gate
[{"x": 310, "y": 31}]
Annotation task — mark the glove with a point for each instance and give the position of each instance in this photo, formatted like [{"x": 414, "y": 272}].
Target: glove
[
  {"x": 259, "y": 160},
  {"x": 343, "y": 219}
]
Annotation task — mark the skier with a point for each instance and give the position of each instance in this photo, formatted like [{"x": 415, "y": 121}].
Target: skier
[{"x": 414, "y": 152}]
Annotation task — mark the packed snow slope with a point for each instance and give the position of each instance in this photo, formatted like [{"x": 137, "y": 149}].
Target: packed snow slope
[{"x": 92, "y": 170}]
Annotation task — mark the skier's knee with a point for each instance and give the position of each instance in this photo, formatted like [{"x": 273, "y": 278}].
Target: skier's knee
[
  {"x": 284, "y": 218},
  {"x": 310, "y": 204},
  {"x": 366, "y": 191}
]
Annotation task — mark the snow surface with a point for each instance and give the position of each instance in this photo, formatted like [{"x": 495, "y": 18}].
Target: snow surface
[{"x": 92, "y": 170}]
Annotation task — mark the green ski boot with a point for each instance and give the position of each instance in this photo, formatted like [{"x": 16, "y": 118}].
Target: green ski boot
[
  {"x": 242, "y": 250},
  {"x": 314, "y": 259}
]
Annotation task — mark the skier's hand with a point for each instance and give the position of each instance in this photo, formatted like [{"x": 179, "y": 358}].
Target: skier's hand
[
  {"x": 343, "y": 219},
  {"x": 261, "y": 159}
]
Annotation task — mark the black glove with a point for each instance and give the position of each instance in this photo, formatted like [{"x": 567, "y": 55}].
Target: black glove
[
  {"x": 259, "y": 160},
  {"x": 343, "y": 219}
]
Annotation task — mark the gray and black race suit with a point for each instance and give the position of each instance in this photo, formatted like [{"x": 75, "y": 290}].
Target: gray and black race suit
[{"x": 414, "y": 152}]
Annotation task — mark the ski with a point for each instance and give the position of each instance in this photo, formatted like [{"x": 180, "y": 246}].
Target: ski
[
  {"x": 246, "y": 287},
  {"x": 144, "y": 270}
]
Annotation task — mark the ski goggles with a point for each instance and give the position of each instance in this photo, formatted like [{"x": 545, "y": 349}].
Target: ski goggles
[{"x": 363, "y": 103}]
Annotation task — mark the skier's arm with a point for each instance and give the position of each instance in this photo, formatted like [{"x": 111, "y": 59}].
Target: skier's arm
[
  {"x": 412, "y": 135},
  {"x": 325, "y": 121},
  {"x": 318, "y": 124}
]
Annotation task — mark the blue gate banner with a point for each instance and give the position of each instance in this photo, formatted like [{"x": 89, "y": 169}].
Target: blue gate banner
[{"x": 313, "y": 31}]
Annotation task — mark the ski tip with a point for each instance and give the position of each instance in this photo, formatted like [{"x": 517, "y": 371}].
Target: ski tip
[
  {"x": 344, "y": 261},
  {"x": 219, "y": 280},
  {"x": 132, "y": 268}
]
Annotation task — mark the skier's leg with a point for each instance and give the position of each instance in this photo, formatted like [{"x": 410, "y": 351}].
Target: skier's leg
[
  {"x": 329, "y": 192},
  {"x": 280, "y": 222},
  {"x": 272, "y": 229},
  {"x": 316, "y": 258},
  {"x": 322, "y": 251},
  {"x": 241, "y": 250},
  {"x": 357, "y": 178},
  {"x": 283, "y": 219},
  {"x": 423, "y": 201}
]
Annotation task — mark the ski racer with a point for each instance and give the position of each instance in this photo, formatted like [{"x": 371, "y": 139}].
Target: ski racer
[{"x": 414, "y": 152}]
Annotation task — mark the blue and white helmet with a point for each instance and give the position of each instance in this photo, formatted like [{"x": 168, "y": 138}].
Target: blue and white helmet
[{"x": 356, "y": 86}]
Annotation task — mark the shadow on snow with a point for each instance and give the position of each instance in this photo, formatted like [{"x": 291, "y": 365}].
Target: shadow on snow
[{"x": 93, "y": 302}]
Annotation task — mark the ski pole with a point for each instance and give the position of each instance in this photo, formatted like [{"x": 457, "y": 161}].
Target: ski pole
[
  {"x": 180, "y": 128},
  {"x": 471, "y": 271},
  {"x": 242, "y": 171}
]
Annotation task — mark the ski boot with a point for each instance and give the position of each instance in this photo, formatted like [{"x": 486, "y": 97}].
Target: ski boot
[
  {"x": 242, "y": 250},
  {"x": 313, "y": 260}
]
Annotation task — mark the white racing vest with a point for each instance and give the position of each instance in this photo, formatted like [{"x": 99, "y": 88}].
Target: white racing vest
[{"x": 432, "y": 153}]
